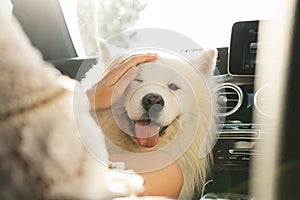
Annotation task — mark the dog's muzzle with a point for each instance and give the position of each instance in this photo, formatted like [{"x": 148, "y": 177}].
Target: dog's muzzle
[{"x": 147, "y": 131}]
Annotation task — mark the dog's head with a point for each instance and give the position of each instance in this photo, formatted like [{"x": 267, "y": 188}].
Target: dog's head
[
  {"x": 158, "y": 97},
  {"x": 151, "y": 102}
]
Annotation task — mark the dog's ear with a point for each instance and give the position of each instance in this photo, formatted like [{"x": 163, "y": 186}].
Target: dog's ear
[
  {"x": 105, "y": 53},
  {"x": 207, "y": 61}
]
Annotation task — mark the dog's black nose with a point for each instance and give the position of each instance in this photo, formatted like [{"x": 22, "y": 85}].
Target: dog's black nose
[{"x": 153, "y": 99}]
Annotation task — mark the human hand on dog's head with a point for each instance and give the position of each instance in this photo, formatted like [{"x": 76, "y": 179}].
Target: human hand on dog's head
[{"x": 100, "y": 95}]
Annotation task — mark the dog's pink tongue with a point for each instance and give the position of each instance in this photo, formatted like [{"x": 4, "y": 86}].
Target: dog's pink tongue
[{"x": 146, "y": 134}]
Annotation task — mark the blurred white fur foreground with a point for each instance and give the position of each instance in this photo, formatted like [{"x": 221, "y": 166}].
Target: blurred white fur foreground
[{"x": 40, "y": 149}]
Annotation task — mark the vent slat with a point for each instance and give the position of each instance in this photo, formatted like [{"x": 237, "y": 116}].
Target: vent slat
[
  {"x": 227, "y": 107},
  {"x": 230, "y": 98},
  {"x": 225, "y": 93}
]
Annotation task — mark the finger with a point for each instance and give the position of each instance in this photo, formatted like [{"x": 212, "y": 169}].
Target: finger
[
  {"x": 133, "y": 61},
  {"x": 138, "y": 59},
  {"x": 137, "y": 55},
  {"x": 129, "y": 76},
  {"x": 126, "y": 79}
]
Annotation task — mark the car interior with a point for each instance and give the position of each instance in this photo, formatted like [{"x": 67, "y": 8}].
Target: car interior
[{"x": 260, "y": 111}]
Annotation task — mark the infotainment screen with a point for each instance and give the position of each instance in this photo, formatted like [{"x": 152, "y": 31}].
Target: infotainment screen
[{"x": 243, "y": 48}]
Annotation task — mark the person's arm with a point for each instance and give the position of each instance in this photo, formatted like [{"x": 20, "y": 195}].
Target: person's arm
[
  {"x": 100, "y": 94},
  {"x": 163, "y": 176},
  {"x": 163, "y": 182}
]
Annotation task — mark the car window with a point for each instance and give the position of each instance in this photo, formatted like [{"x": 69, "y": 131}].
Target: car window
[{"x": 207, "y": 22}]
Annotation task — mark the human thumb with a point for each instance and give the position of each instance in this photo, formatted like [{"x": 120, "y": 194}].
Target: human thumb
[{"x": 122, "y": 84}]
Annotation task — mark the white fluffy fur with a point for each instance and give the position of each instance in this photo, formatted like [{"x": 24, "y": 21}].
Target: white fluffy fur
[
  {"x": 41, "y": 154},
  {"x": 193, "y": 126}
]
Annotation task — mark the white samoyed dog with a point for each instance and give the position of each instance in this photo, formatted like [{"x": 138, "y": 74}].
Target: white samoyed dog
[{"x": 170, "y": 106}]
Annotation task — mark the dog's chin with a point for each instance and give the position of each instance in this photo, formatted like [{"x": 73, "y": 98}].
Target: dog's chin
[{"x": 147, "y": 132}]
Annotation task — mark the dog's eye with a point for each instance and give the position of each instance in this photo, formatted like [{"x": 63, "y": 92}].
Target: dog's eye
[
  {"x": 172, "y": 86},
  {"x": 138, "y": 80}
]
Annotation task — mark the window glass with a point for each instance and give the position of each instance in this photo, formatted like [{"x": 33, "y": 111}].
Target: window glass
[{"x": 207, "y": 22}]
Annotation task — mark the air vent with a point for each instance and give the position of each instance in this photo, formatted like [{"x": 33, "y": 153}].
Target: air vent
[
  {"x": 261, "y": 100},
  {"x": 230, "y": 98}
]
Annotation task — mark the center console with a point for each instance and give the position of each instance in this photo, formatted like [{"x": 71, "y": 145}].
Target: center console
[{"x": 238, "y": 100}]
